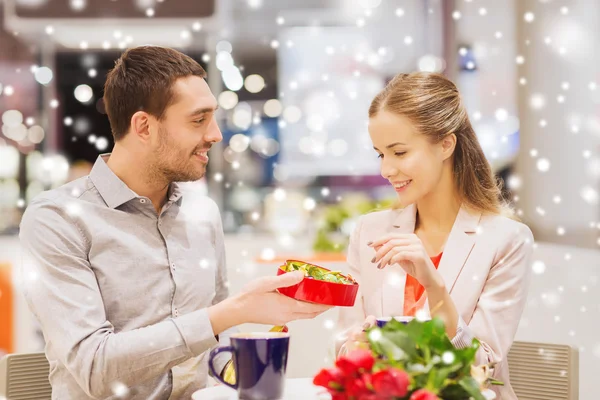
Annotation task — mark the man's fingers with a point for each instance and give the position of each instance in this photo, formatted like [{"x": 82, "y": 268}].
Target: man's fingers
[
  {"x": 306, "y": 307},
  {"x": 311, "y": 315},
  {"x": 272, "y": 283}
]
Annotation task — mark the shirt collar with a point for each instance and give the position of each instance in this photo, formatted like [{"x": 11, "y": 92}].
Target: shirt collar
[
  {"x": 114, "y": 191},
  {"x": 174, "y": 193}
]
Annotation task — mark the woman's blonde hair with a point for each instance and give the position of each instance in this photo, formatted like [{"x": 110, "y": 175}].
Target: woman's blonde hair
[{"x": 433, "y": 104}]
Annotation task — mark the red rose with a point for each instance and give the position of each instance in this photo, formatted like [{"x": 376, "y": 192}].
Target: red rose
[
  {"x": 391, "y": 382},
  {"x": 356, "y": 388},
  {"x": 374, "y": 396},
  {"x": 331, "y": 378},
  {"x": 355, "y": 361},
  {"x": 338, "y": 396},
  {"x": 370, "y": 396},
  {"x": 423, "y": 394}
]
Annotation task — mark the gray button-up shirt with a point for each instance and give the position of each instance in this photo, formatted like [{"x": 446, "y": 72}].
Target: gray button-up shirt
[{"x": 121, "y": 291}]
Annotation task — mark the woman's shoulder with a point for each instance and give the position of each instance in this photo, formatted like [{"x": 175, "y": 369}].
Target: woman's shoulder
[{"x": 507, "y": 230}]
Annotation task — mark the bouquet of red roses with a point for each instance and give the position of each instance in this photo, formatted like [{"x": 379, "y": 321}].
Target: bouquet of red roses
[
  {"x": 353, "y": 377},
  {"x": 414, "y": 361}
]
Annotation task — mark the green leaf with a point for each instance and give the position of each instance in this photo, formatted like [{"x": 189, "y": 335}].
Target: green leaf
[
  {"x": 471, "y": 387},
  {"x": 384, "y": 346},
  {"x": 454, "y": 392},
  {"x": 403, "y": 341},
  {"x": 441, "y": 374}
]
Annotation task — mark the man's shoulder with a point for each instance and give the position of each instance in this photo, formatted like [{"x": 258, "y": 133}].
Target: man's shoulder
[{"x": 60, "y": 198}]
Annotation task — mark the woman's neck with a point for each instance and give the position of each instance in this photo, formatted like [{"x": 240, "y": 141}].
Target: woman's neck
[{"x": 437, "y": 211}]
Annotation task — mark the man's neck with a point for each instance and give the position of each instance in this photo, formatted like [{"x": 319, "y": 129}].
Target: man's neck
[{"x": 134, "y": 170}]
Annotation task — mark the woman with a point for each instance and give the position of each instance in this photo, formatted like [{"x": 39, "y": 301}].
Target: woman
[{"x": 450, "y": 215}]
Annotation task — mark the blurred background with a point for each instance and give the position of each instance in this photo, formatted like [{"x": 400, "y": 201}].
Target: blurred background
[{"x": 294, "y": 79}]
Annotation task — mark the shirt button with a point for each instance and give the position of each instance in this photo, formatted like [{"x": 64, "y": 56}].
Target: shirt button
[
  {"x": 173, "y": 266},
  {"x": 176, "y": 313},
  {"x": 142, "y": 201}
]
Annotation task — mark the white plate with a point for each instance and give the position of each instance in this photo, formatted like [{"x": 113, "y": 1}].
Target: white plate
[{"x": 295, "y": 389}]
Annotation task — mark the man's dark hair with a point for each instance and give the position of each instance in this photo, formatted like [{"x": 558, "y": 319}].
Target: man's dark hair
[{"x": 142, "y": 80}]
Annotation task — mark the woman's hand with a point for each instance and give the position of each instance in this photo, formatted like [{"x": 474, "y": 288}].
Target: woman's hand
[
  {"x": 357, "y": 337},
  {"x": 408, "y": 252},
  {"x": 358, "y": 333}
]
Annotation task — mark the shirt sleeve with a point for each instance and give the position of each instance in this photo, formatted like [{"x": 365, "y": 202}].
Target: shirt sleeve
[
  {"x": 221, "y": 288},
  {"x": 496, "y": 318},
  {"x": 61, "y": 289},
  {"x": 351, "y": 317}
]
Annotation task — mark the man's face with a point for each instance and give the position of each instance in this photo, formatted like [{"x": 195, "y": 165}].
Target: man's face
[{"x": 187, "y": 132}]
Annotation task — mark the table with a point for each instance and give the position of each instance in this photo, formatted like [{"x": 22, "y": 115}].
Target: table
[{"x": 295, "y": 389}]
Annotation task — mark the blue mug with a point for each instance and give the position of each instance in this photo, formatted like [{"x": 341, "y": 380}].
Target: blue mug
[
  {"x": 381, "y": 321},
  {"x": 259, "y": 361}
]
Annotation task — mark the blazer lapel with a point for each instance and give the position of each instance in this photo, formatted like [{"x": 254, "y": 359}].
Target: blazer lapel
[
  {"x": 456, "y": 252},
  {"x": 394, "y": 277},
  {"x": 458, "y": 246}
]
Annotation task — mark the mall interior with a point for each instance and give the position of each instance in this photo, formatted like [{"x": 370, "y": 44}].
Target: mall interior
[{"x": 295, "y": 169}]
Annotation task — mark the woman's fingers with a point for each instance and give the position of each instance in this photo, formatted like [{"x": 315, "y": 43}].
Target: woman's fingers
[
  {"x": 369, "y": 322},
  {"x": 387, "y": 247},
  {"x": 384, "y": 239},
  {"x": 388, "y": 257},
  {"x": 358, "y": 336}
]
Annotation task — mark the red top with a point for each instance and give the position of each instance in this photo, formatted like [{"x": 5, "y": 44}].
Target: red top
[{"x": 414, "y": 298}]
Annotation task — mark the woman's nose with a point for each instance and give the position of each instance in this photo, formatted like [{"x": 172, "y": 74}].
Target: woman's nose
[{"x": 388, "y": 171}]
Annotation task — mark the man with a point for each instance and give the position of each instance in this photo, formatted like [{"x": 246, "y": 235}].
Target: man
[{"x": 125, "y": 273}]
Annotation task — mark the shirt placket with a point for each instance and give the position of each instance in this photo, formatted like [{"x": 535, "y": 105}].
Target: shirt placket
[
  {"x": 162, "y": 219},
  {"x": 178, "y": 381}
]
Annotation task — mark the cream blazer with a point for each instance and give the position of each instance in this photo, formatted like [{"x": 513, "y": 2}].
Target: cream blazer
[{"x": 486, "y": 268}]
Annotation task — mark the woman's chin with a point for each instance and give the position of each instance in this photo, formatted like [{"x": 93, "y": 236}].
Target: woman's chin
[{"x": 403, "y": 201}]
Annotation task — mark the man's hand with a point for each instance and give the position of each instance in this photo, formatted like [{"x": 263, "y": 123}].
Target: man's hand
[{"x": 260, "y": 303}]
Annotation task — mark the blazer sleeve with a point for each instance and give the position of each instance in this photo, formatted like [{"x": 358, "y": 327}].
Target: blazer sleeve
[
  {"x": 498, "y": 312},
  {"x": 351, "y": 317}
]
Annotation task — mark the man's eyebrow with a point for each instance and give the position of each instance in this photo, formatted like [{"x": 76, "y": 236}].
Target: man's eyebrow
[{"x": 204, "y": 110}]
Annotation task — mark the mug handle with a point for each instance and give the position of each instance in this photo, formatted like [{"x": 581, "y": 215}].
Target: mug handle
[{"x": 216, "y": 375}]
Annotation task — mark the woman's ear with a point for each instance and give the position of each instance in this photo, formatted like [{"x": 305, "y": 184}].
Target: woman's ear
[{"x": 448, "y": 145}]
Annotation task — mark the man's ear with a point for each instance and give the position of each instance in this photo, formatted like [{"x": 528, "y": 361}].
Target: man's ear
[
  {"x": 448, "y": 145},
  {"x": 140, "y": 125}
]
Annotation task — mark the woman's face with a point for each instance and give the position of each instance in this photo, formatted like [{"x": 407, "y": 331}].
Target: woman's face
[{"x": 411, "y": 163}]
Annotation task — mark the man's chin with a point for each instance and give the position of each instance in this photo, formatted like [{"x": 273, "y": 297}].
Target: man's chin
[
  {"x": 190, "y": 176},
  {"x": 196, "y": 175}
]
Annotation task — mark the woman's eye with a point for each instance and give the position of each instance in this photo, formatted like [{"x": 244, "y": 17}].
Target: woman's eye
[
  {"x": 380, "y": 156},
  {"x": 399, "y": 154},
  {"x": 199, "y": 121}
]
